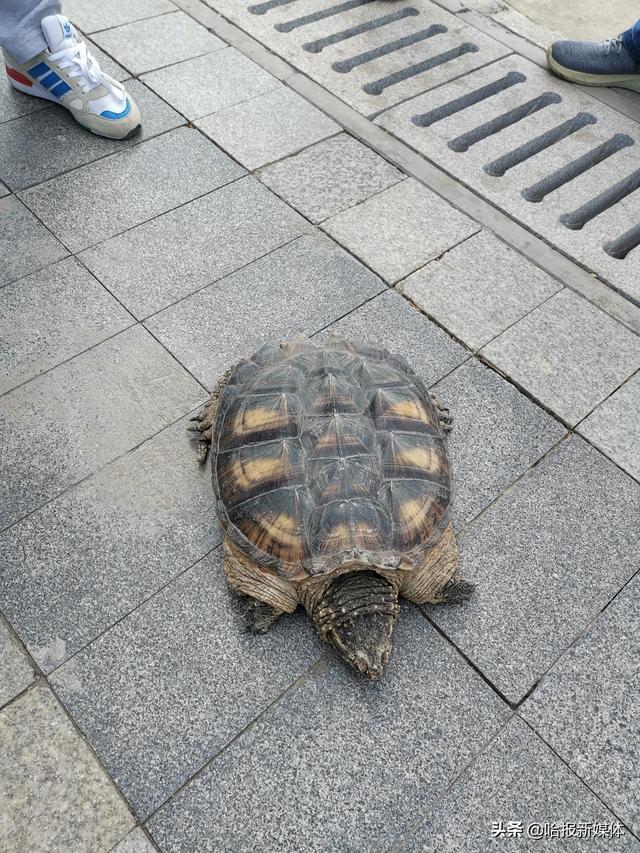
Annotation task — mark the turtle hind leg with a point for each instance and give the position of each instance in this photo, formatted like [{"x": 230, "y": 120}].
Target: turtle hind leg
[
  {"x": 457, "y": 591},
  {"x": 202, "y": 423},
  {"x": 445, "y": 416}
]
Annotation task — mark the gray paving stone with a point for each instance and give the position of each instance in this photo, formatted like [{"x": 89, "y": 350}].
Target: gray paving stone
[
  {"x": 400, "y": 229},
  {"x": 211, "y": 82},
  {"x": 268, "y": 127},
  {"x": 614, "y": 427},
  {"x": 587, "y": 707},
  {"x": 330, "y": 177},
  {"x": 25, "y": 165},
  {"x": 111, "y": 542},
  {"x": 25, "y": 244},
  {"x": 17, "y": 673},
  {"x": 3, "y": 190},
  {"x": 13, "y": 103},
  {"x": 546, "y": 558},
  {"x": 517, "y": 779},
  {"x": 392, "y": 322},
  {"x": 169, "y": 686},
  {"x": 83, "y": 414},
  {"x": 133, "y": 186},
  {"x": 335, "y": 765},
  {"x": 52, "y": 315},
  {"x": 177, "y": 253},
  {"x": 497, "y": 434},
  {"x": 135, "y": 842},
  {"x": 568, "y": 354},
  {"x": 479, "y": 289},
  {"x": 299, "y": 288},
  {"x": 107, "y": 64},
  {"x": 60, "y": 798},
  {"x": 155, "y": 42},
  {"x": 91, "y": 15}
]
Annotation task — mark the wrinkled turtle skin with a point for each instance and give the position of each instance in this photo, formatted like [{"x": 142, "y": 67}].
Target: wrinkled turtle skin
[{"x": 333, "y": 488}]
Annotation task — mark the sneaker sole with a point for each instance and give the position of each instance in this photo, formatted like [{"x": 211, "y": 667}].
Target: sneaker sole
[{"x": 624, "y": 81}]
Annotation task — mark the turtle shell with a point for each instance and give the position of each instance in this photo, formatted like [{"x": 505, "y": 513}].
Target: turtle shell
[{"x": 326, "y": 452}]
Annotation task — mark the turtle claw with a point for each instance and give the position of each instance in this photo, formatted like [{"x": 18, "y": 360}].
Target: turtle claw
[
  {"x": 456, "y": 592},
  {"x": 203, "y": 451},
  {"x": 445, "y": 416},
  {"x": 197, "y": 427}
]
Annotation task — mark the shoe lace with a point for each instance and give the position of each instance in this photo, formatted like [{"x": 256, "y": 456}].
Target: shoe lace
[
  {"x": 84, "y": 65},
  {"x": 614, "y": 44}
]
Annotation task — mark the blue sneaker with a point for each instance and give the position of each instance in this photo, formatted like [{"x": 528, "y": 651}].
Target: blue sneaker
[{"x": 596, "y": 63}]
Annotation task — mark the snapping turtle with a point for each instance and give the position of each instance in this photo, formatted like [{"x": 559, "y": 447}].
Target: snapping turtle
[{"x": 333, "y": 487}]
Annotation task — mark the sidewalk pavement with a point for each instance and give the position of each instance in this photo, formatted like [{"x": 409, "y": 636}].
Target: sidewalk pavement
[{"x": 135, "y": 714}]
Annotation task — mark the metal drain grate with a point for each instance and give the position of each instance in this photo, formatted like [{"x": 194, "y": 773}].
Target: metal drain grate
[{"x": 560, "y": 162}]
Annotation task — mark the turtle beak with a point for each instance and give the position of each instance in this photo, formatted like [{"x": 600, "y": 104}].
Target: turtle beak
[{"x": 372, "y": 663}]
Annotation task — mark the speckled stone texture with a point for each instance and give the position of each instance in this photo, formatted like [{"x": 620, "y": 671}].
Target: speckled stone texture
[
  {"x": 133, "y": 186},
  {"x": 16, "y": 670},
  {"x": 209, "y": 83},
  {"x": 25, "y": 244},
  {"x": 161, "y": 261},
  {"x": 561, "y": 353},
  {"x": 614, "y": 427},
  {"x": 467, "y": 291},
  {"x": 25, "y": 165},
  {"x": 400, "y": 229},
  {"x": 497, "y": 434},
  {"x": 3, "y": 190},
  {"x": 86, "y": 412},
  {"x": 588, "y": 706},
  {"x": 92, "y": 15},
  {"x": 58, "y": 797},
  {"x": 168, "y": 687},
  {"x": 546, "y": 558},
  {"x": 301, "y": 287},
  {"x": 268, "y": 127},
  {"x": 330, "y": 177},
  {"x": 52, "y": 315},
  {"x": 111, "y": 542},
  {"x": 135, "y": 842},
  {"x": 340, "y": 763},
  {"x": 517, "y": 778},
  {"x": 155, "y": 42}
]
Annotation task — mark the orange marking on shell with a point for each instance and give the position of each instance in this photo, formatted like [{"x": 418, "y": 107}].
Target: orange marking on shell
[
  {"x": 254, "y": 420},
  {"x": 412, "y": 409},
  {"x": 424, "y": 458}
]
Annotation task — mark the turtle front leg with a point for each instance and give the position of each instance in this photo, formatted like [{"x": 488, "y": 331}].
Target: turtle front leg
[
  {"x": 258, "y": 616},
  {"x": 446, "y": 418},
  {"x": 437, "y": 580}
]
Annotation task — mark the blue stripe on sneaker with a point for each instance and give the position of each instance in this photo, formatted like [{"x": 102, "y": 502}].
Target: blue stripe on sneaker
[
  {"x": 39, "y": 69},
  {"x": 50, "y": 80},
  {"x": 112, "y": 115},
  {"x": 61, "y": 89}
]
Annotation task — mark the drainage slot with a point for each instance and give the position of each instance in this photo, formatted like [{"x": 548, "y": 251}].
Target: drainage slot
[
  {"x": 348, "y": 64},
  {"x": 498, "y": 167},
  {"x": 377, "y": 87},
  {"x": 464, "y": 142},
  {"x": 621, "y": 246},
  {"x": 579, "y": 218},
  {"x": 263, "y": 8},
  {"x": 565, "y": 174},
  {"x": 459, "y": 104},
  {"x": 288, "y": 26},
  {"x": 319, "y": 45}
]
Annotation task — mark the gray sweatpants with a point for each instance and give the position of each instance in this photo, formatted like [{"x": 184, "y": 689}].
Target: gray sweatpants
[{"x": 20, "y": 31}]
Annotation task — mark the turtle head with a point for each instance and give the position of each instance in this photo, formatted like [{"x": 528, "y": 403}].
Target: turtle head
[{"x": 356, "y": 615}]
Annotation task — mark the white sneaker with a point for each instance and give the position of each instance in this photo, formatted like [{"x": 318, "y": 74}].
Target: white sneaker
[{"x": 67, "y": 74}]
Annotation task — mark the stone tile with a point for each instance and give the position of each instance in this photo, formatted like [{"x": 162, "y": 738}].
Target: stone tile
[
  {"x": 497, "y": 434},
  {"x": 25, "y": 165},
  {"x": 135, "y": 842},
  {"x": 568, "y": 354},
  {"x": 210, "y": 83},
  {"x": 3, "y": 190},
  {"x": 479, "y": 289},
  {"x": 16, "y": 670},
  {"x": 155, "y": 42},
  {"x": 133, "y": 186},
  {"x": 517, "y": 779},
  {"x": 174, "y": 682},
  {"x": 299, "y": 288},
  {"x": 25, "y": 244},
  {"x": 392, "y": 322},
  {"x": 335, "y": 763},
  {"x": 62, "y": 426},
  {"x": 587, "y": 707},
  {"x": 177, "y": 253},
  {"x": 400, "y": 229},
  {"x": 91, "y": 16},
  {"x": 60, "y": 798},
  {"x": 111, "y": 542},
  {"x": 546, "y": 558},
  {"x": 14, "y": 104},
  {"x": 614, "y": 427},
  {"x": 330, "y": 177},
  {"x": 52, "y": 315},
  {"x": 268, "y": 127},
  {"x": 108, "y": 65}
]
